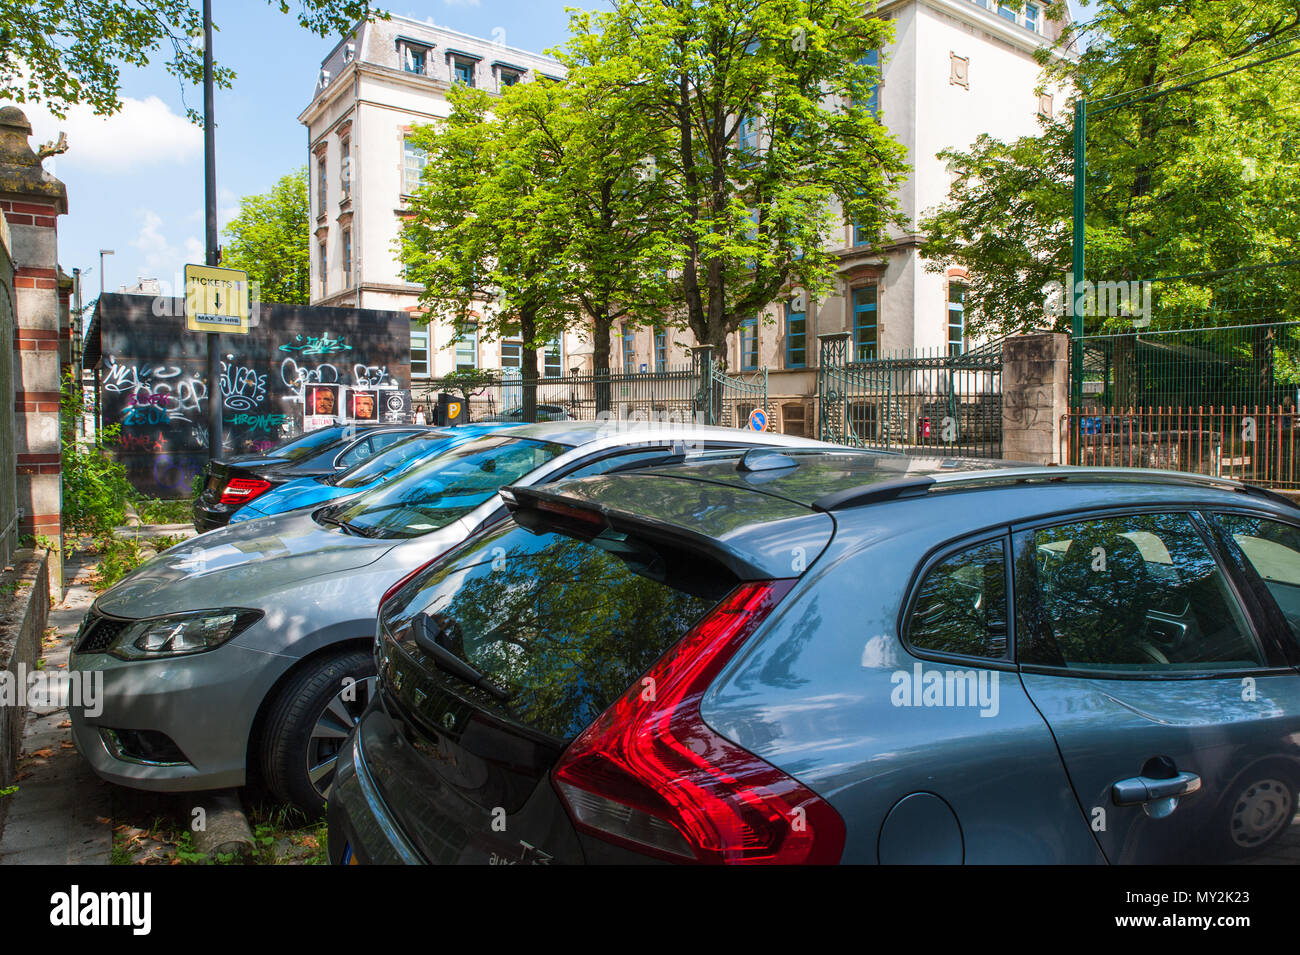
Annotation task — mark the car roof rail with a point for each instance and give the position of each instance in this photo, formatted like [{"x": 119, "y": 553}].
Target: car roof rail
[{"x": 1010, "y": 477}]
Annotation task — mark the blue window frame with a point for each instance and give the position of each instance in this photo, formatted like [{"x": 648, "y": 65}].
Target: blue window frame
[
  {"x": 1031, "y": 17},
  {"x": 629, "y": 349},
  {"x": 463, "y": 71},
  {"x": 749, "y": 135},
  {"x": 661, "y": 350},
  {"x": 796, "y": 338},
  {"x": 553, "y": 359},
  {"x": 749, "y": 344},
  {"x": 956, "y": 317},
  {"x": 872, "y": 59},
  {"x": 866, "y": 326},
  {"x": 1008, "y": 13}
]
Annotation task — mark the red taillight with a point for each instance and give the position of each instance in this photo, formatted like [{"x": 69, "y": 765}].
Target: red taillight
[
  {"x": 407, "y": 579},
  {"x": 652, "y": 775},
  {"x": 242, "y": 490}
]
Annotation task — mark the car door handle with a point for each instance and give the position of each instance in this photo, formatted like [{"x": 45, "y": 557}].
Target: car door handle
[{"x": 1141, "y": 790}]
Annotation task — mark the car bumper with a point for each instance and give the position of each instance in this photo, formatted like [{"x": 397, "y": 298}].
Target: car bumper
[
  {"x": 208, "y": 517},
  {"x": 205, "y": 704},
  {"x": 360, "y": 825}
]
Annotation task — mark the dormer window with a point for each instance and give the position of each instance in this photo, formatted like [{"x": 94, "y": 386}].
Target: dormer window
[
  {"x": 323, "y": 79},
  {"x": 461, "y": 66},
  {"x": 349, "y": 52},
  {"x": 508, "y": 74},
  {"x": 415, "y": 60}
]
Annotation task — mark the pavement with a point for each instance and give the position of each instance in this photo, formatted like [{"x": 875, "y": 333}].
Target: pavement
[{"x": 61, "y": 813}]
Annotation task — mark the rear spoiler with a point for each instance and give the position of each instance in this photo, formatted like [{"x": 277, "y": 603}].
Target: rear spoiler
[{"x": 537, "y": 508}]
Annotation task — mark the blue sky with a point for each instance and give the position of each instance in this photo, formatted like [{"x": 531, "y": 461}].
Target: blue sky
[{"x": 135, "y": 181}]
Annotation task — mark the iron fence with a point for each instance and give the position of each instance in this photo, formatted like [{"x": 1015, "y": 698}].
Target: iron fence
[{"x": 932, "y": 403}]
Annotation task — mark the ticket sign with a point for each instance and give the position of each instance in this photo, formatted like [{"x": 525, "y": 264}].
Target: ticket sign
[{"x": 216, "y": 300}]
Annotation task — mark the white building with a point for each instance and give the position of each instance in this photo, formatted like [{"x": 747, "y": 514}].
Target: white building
[
  {"x": 372, "y": 88},
  {"x": 956, "y": 69}
]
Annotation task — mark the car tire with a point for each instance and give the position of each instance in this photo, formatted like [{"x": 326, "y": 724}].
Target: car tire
[
  {"x": 1257, "y": 810},
  {"x": 308, "y": 723}
]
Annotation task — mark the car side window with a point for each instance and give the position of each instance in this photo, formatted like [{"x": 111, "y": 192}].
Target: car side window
[
  {"x": 382, "y": 440},
  {"x": 961, "y": 604},
  {"x": 356, "y": 454},
  {"x": 629, "y": 459},
  {"x": 1273, "y": 551},
  {"x": 1131, "y": 594}
]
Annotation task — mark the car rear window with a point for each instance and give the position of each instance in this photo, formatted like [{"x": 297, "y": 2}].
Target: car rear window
[
  {"x": 564, "y": 625},
  {"x": 389, "y": 459},
  {"x": 295, "y": 449}
]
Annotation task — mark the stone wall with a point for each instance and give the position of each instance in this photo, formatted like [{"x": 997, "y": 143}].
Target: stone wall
[
  {"x": 24, "y": 613},
  {"x": 1035, "y": 396}
]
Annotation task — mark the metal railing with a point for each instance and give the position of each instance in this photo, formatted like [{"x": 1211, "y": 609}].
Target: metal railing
[
  {"x": 1251, "y": 443},
  {"x": 931, "y": 403}
]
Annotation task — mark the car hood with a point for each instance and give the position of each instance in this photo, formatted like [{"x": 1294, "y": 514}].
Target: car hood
[{"x": 239, "y": 565}]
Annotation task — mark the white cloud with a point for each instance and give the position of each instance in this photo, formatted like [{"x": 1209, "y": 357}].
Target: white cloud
[
  {"x": 144, "y": 132},
  {"x": 159, "y": 257}
]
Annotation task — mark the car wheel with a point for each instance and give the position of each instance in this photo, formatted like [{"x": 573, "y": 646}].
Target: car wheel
[
  {"x": 308, "y": 724},
  {"x": 1258, "y": 810}
]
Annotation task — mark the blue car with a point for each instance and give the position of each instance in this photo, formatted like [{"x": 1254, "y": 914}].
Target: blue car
[{"x": 310, "y": 491}]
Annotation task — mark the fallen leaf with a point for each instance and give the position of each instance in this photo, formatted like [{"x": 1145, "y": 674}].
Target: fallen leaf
[{"x": 45, "y": 753}]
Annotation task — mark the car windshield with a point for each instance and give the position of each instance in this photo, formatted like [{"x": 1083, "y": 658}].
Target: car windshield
[
  {"x": 295, "y": 449},
  {"x": 390, "y": 459},
  {"x": 443, "y": 489}
]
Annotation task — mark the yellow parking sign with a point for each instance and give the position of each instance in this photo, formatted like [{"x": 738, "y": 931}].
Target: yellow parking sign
[{"x": 216, "y": 300}]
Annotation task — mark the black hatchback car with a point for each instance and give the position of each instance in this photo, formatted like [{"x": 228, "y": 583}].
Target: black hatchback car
[
  {"x": 815, "y": 658},
  {"x": 229, "y": 485}
]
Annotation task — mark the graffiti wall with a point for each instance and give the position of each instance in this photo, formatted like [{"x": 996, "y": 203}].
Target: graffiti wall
[{"x": 153, "y": 378}]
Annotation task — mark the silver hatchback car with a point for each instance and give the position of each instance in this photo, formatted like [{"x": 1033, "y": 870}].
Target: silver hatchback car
[{"x": 251, "y": 647}]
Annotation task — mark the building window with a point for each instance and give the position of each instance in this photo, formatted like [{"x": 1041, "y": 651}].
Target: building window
[
  {"x": 414, "y": 159},
  {"x": 553, "y": 359},
  {"x": 324, "y": 270},
  {"x": 872, "y": 59},
  {"x": 508, "y": 78},
  {"x": 796, "y": 337},
  {"x": 661, "y": 350},
  {"x": 463, "y": 71},
  {"x": 748, "y": 134},
  {"x": 866, "y": 327},
  {"x": 512, "y": 356},
  {"x": 1031, "y": 17},
  {"x": 959, "y": 70},
  {"x": 467, "y": 348},
  {"x": 420, "y": 353},
  {"x": 347, "y": 258},
  {"x": 749, "y": 344},
  {"x": 320, "y": 185},
  {"x": 415, "y": 59},
  {"x": 956, "y": 318},
  {"x": 1008, "y": 13},
  {"x": 345, "y": 168},
  {"x": 629, "y": 349}
]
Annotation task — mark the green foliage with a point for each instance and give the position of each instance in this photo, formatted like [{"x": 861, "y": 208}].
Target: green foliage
[
  {"x": 1189, "y": 185},
  {"x": 61, "y": 53},
  {"x": 118, "y": 557},
  {"x": 763, "y": 141},
  {"x": 95, "y": 488},
  {"x": 468, "y": 382},
  {"x": 270, "y": 239},
  {"x": 152, "y": 510}
]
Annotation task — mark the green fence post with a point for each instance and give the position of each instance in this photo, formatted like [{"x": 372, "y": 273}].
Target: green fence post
[{"x": 1075, "y": 292}]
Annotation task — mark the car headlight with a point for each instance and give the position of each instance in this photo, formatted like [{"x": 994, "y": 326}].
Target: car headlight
[{"x": 181, "y": 634}]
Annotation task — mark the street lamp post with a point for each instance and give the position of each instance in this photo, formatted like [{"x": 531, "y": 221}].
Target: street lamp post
[
  {"x": 102, "y": 253},
  {"x": 210, "y": 212}
]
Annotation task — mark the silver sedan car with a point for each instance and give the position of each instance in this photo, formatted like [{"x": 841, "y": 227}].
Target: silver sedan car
[{"x": 250, "y": 648}]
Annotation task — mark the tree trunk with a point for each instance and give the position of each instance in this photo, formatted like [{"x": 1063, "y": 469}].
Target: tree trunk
[
  {"x": 528, "y": 331},
  {"x": 601, "y": 328}
]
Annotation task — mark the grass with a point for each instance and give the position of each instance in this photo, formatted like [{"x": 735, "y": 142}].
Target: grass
[
  {"x": 119, "y": 556},
  {"x": 153, "y": 510}
]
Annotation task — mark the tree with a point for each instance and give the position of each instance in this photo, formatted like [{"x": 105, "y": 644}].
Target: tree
[
  {"x": 764, "y": 139},
  {"x": 480, "y": 233},
  {"x": 65, "y": 52},
  {"x": 271, "y": 240},
  {"x": 1191, "y": 162}
]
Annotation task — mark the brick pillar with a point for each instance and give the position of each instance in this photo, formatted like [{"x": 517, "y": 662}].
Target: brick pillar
[
  {"x": 32, "y": 200},
  {"x": 1035, "y": 396}
]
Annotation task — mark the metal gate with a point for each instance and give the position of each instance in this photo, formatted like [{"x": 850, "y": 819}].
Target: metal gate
[
  {"x": 934, "y": 404},
  {"x": 727, "y": 400}
]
